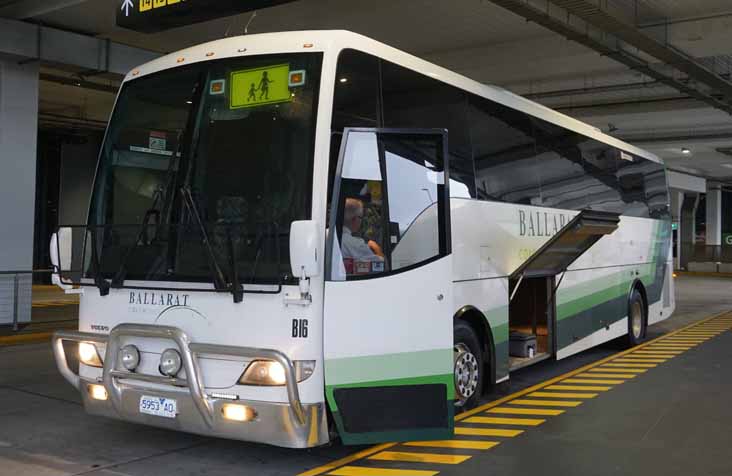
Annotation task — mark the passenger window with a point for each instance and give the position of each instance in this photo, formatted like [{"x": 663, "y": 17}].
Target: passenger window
[
  {"x": 631, "y": 178},
  {"x": 391, "y": 206},
  {"x": 506, "y": 166},
  {"x": 412, "y": 100}
]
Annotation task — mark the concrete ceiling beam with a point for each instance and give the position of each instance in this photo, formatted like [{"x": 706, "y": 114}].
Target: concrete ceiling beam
[{"x": 24, "y": 9}]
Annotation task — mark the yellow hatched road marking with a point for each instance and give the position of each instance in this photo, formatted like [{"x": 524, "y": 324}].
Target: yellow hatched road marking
[
  {"x": 472, "y": 431},
  {"x": 505, "y": 421},
  {"x": 607, "y": 375},
  {"x": 419, "y": 457},
  {"x": 361, "y": 471},
  {"x": 526, "y": 411},
  {"x": 619, "y": 371},
  {"x": 692, "y": 334},
  {"x": 546, "y": 403},
  {"x": 672, "y": 345},
  {"x": 578, "y": 387},
  {"x": 562, "y": 395},
  {"x": 456, "y": 444},
  {"x": 630, "y": 365}
]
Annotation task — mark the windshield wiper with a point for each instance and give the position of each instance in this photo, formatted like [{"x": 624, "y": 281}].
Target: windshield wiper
[{"x": 218, "y": 275}]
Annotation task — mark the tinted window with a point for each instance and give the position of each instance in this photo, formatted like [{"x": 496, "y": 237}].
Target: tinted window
[
  {"x": 412, "y": 100},
  {"x": 576, "y": 172},
  {"x": 505, "y": 153},
  {"x": 631, "y": 178},
  {"x": 356, "y": 100}
]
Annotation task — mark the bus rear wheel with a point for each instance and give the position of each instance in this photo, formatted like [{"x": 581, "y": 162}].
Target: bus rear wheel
[
  {"x": 637, "y": 320},
  {"x": 468, "y": 366}
]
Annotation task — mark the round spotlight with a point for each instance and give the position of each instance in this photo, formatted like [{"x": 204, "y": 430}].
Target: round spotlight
[
  {"x": 130, "y": 357},
  {"x": 686, "y": 151},
  {"x": 170, "y": 362}
]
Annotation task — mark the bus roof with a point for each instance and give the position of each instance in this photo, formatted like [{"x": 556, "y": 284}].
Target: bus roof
[{"x": 336, "y": 40}]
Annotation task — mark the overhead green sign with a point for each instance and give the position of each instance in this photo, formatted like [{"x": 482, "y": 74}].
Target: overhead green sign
[{"x": 260, "y": 86}]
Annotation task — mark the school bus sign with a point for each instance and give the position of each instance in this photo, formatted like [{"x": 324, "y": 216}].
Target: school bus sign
[{"x": 150, "y": 16}]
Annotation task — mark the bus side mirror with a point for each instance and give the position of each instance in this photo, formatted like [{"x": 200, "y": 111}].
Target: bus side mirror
[{"x": 304, "y": 243}]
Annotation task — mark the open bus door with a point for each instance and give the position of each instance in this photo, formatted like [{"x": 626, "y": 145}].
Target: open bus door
[{"x": 388, "y": 342}]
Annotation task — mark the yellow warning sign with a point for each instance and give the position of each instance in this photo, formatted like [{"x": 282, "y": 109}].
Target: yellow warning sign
[{"x": 260, "y": 86}]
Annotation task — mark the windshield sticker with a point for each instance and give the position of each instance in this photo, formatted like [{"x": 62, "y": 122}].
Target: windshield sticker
[
  {"x": 151, "y": 151},
  {"x": 217, "y": 87},
  {"x": 260, "y": 86},
  {"x": 158, "y": 140}
]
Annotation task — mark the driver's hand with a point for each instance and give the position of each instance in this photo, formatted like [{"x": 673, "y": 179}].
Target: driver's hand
[{"x": 375, "y": 248}]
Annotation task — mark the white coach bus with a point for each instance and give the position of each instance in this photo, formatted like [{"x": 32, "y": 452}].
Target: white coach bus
[{"x": 292, "y": 233}]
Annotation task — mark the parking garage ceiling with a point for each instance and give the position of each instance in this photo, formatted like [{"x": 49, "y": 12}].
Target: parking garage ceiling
[{"x": 485, "y": 41}]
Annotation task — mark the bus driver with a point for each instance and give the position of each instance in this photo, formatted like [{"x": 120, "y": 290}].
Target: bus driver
[{"x": 356, "y": 252}]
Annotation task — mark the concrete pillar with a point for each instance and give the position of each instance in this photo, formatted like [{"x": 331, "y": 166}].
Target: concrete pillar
[
  {"x": 18, "y": 138},
  {"x": 677, "y": 200},
  {"x": 687, "y": 228},
  {"x": 714, "y": 214}
]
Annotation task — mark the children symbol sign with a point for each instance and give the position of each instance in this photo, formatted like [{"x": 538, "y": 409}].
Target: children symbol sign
[{"x": 260, "y": 86}]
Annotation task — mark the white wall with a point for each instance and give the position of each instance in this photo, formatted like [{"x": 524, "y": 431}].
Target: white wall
[{"x": 18, "y": 137}]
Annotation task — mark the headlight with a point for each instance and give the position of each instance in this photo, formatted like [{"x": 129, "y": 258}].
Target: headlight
[
  {"x": 270, "y": 373},
  {"x": 89, "y": 355},
  {"x": 130, "y": 357},
  {"x": 170, "y": 362}
]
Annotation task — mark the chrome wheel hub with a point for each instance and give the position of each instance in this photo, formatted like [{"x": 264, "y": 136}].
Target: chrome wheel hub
[
  {"x": 636, "y": 319},
  {"x": 466, "y": 373}
]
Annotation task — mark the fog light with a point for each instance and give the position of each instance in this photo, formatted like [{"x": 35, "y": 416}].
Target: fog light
[
  {"x": 238, "y": 412},
  {"x": 170, "y": 362},
  {"x": 89, "y": 355},
  {"x": 130, "y": 357},
  {"x": 98, "y": 392}
]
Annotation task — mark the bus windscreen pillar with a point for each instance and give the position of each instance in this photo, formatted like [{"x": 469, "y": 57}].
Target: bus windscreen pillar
[{"x": 18, "y": 137}]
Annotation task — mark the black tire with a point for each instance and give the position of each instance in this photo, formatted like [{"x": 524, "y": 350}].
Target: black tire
[
  {"x": 637, "y": 319},
  {"x": 466, "y": 341}
]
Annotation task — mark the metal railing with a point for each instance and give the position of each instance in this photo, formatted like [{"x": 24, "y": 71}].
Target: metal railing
[
  {"x": 701, "y": 253},
  {"x": 16, "y": 289}
]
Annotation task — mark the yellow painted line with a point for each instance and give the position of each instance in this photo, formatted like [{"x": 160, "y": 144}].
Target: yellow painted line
[
  {"x": 419, "y": 457},
  {"x": 631, "y": 365},
  {"x": 526, "y": 411},
  {"x": 494, "y": 406},
  {"x": 546, "y": 403},
  {"x": 672, "y": 346},
  {"x": 472, "y": 431},
  {"x": 562, "y": 395},
  {"x": 505, "y": 421},
  {"x": 456, "y": 444},
  {"x": 361, "y": 471},
  {"x": 666, "y": 353},
  {"x": 581, "y": 380},
  {"x": 25, "y": 338},
  {"x": 607, "y": 375},
  {"x": 654, "y": 360},
  {"x": 579, "y": 387},
  {"x": 700, "y": 334},
  {"x": 619, "y": 371},
  {"x": 684, "y": 341}
]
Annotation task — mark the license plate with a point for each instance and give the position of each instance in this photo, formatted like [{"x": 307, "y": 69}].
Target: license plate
[{"x": 158, "y": 406}]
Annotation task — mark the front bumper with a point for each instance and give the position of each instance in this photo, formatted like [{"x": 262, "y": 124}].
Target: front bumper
[{"x": 291, "y": 424}]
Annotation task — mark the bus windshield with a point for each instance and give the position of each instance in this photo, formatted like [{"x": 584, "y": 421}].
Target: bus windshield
[{"x": 203, "y": 169}]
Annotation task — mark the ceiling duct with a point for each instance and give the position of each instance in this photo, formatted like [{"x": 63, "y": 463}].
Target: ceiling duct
[{"x": 595, "y": 28}]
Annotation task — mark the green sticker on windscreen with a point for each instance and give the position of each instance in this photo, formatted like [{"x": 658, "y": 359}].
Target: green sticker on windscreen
[{"x": 260, "y": 86}]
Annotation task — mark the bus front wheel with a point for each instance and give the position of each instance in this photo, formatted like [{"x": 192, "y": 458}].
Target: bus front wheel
[
  {"x": 468, "y": 366},
  {"x": 637, "y": 321}
]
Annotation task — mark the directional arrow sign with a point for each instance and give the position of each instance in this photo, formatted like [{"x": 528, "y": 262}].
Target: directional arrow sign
[
  {"x": 151, "y": 16},
  {"x": 126, "y": 5}
]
